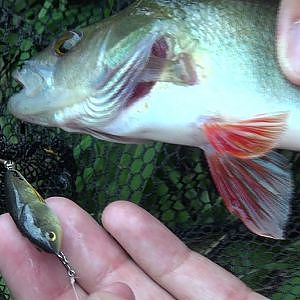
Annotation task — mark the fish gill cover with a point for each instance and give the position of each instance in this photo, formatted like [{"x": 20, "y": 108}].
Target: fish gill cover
[{"x": 171, "y": 182}]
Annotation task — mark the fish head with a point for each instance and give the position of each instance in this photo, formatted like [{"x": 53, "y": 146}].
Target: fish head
[
  {"x": 60, "y": 76},
  {"x": 84, "y": 78},
  {"x": 50, "y": 236},
  {"x": 45, "y": 231}
]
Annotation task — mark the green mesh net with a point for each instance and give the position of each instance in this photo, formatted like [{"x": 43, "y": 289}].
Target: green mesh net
[{"x": 171, "y": 182}]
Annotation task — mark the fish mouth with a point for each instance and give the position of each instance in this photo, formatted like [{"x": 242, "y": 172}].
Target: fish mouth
[
  {"x": 31, "y": 80},
  {"x": 23, "y": 103},
  {"x": 38, "y": 100}
]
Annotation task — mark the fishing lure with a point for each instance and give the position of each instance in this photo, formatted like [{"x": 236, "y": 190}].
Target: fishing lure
[{"x": 33, "y": 216}]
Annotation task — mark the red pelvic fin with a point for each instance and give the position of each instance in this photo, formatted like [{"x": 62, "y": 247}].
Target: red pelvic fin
[
  {"x": 248, "y": 138},
  {"x": 257, "y": 190}
]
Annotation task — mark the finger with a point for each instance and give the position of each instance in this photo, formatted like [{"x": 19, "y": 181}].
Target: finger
[
  {"x": 29, "y": 273},
  {"x": 96, "y": 257},
  {"x": 185, "y": 274},
  {"x": 115, "y": 291},
  {"x": 288, "y": 39}
]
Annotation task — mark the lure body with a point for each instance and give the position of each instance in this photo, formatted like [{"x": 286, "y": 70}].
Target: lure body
[
  {"x": 30, "y": 213},
  {"x": 199, "y": 73},
  {"x": 34, "y": 218}
]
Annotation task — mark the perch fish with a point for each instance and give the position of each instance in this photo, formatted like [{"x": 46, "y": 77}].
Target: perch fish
[{"x": 197, "y": 73}]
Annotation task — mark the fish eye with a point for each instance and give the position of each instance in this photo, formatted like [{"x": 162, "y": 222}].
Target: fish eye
[
  {"x": 51, "y": 236},
  {"x": 67, "y": 41}
]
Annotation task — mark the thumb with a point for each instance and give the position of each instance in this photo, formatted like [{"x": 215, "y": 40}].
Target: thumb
[
  {"x": 114, "y": 291},
  {"x": 288, "y": 39}
]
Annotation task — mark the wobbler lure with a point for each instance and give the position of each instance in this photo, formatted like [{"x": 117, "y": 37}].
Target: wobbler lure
[{"x": 33, "y": 217}]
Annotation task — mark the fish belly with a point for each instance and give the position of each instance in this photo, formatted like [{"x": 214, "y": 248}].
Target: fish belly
[{"x": 176, "y": 114}]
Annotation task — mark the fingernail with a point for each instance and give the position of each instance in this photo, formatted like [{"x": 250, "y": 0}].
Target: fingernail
[{"x": 294, "y": 47}]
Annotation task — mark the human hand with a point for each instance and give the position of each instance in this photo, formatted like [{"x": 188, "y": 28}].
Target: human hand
[
  {"x": 288, "y": 39},
  {"x": 156, "y": 264}
]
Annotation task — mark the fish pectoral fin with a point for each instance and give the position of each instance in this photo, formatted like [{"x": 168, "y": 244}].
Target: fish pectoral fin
[
  {"x": 247, "y": 138},
  {"x": 178, "y": 71},
  {"x": 257, "y": 190}
]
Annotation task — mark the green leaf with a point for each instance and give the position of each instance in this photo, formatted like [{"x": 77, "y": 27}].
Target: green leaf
[
  {"x": 39, "y": 27},
  {"x": 98, "y": 164},
  {"x": 47, "y": 4},
  {"x": 205, "y": 197},
  {"x": 88, "y": 174},
  {"x": 86, "y": 142},
  {"x": 162, "y": 189},
  {"x": 24, "y": 56},
  {"x": 148, "y": 170},
  {"x": 183, "y": 216},
  {"x": 79, "y": 184},
  {"x": 295, "y": 246},
  {"x": 136, "y": 197},
  {"x": 76, "y": 152},
  {"x": 26, "y": 45},
  {"x": 57, "y": 15},
  {"x": 165, "y": 204},
  {"x": 125, "y": 159},
  {"x": 149, "y": 155},
  {"x": 168, "y": 216},
  {"x": 276, "y": 266},
  {"x": 178, "y": 205},
  {"x": 20, "y": 5},
  {"x": 12, "y": 38},
  {"x": 290, "y": 288},
  {"x": 136, "y": 182},
  {"x": 136, "y": 166},
  {"x": 42, "y": 13}
]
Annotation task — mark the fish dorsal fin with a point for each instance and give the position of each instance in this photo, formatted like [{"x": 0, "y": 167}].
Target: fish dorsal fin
[
  {"x": 257, "y": 190},
  {"x": 247, "y": 138}
]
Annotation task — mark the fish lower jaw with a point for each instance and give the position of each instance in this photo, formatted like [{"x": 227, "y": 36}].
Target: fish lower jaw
[
  {"x": 42, "y": 107},
  {"x": 23, "y": 113}
]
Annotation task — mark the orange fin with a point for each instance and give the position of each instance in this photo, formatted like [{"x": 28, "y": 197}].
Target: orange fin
[
  {"x": 248, "y": 138},
  {"x": 257, "y": 190}
]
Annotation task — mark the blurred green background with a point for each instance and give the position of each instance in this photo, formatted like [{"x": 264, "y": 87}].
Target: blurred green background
[{"x": 171, "y": 182}]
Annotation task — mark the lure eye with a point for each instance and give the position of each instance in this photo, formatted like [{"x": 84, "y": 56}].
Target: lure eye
[
  {"x": 51, "y": 236},
  {"x": 66, "y": 42}
]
